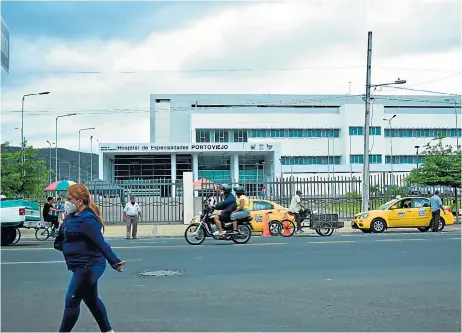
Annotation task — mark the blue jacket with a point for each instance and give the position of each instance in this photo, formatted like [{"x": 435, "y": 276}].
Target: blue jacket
[
  {"x": 84, "y": 243},
  {"x": 228, "y": 205}
]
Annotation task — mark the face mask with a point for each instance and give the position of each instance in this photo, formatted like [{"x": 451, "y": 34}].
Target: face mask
[{"x": 70, "y": 207}]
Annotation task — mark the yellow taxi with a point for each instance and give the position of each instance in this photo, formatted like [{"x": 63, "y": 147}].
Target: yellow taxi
[
  {"x": 258, "y": 209},
  {"x": 408, "y": 212}
]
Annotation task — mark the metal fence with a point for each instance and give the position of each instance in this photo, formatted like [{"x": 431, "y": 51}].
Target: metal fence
[
  {"x": 327, "y": 195},
  {"x": 161, "y": 201}
]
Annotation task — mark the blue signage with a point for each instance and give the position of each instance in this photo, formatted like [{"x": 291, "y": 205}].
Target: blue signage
[{"x": 5, "y": 47}]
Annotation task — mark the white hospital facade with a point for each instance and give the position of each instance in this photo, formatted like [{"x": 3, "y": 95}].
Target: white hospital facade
[{"x": 252, "y": 138}]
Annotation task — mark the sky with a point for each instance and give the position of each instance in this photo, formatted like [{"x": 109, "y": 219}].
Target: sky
[{"x": 102, "y": 60}]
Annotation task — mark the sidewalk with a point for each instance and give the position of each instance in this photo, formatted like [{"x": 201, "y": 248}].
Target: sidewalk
[{"x": 177, "y": 230}]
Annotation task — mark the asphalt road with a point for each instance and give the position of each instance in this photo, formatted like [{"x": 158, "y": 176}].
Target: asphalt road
[{"x": 386, "y": 282}]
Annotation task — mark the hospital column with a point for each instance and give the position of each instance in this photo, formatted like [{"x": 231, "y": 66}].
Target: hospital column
[{"x": 173, "y": 174}]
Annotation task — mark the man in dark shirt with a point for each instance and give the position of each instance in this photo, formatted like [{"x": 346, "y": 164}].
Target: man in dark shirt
[{"x": 47, "y": 217}]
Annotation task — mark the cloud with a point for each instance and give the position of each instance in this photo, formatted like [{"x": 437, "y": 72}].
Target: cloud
[{"x": 324, "y": 43}]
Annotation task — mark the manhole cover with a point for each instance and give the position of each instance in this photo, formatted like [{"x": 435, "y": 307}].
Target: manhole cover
[{"x": 160, "y": 273}]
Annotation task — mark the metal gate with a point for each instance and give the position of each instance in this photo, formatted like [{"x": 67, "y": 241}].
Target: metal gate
[{"x": 161, "y": 201}]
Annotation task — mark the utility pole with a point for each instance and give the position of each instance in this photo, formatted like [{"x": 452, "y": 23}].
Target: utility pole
[
  {"x": 91, "y": 158},
  {"x": 367, "y": 120}
]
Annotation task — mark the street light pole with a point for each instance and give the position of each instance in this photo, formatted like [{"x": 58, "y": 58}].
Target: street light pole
[
  {"x": 91, "y": 158},
  {"x": 69, "y": 170},
  {"x": 417, "y": 162},
  {"x": 83, "y": 129},
  {"x": 49, "y": 172},
  {"x": 22, "y": 126},
  {"x": 56, "y": 141},
  {"x": 391, "y": 147},
  {"x": 367, "y": 116}
]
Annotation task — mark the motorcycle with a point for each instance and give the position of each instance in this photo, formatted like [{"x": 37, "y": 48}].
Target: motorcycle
[{"x": 206, "y": 228}]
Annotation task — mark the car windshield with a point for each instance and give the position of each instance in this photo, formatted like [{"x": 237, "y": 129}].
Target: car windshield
[{"x": 387, "y": 205}]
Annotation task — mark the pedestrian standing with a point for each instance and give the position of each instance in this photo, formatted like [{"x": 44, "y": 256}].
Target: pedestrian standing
[
  {"x": 85, "y": 251},
  {"x": 132, "y": 213},
  {"x": 436, "y": 204},
  {"x": 263, "y": 193},
  {"x": 295, "y": 206}
]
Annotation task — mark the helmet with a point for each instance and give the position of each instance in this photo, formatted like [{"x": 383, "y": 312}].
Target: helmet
[
  {"x": 239, "y": 189},
  {"x": 298, "y": 192},
  {"x": 225, "y": 188}
]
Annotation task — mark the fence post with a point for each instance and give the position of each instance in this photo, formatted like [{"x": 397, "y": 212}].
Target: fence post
[{"x": 188, "y": 197}]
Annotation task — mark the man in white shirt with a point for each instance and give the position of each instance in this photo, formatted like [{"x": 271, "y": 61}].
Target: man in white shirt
[
  {"x": 131, "y": 214},
  {"x": 295, "y": 206}
]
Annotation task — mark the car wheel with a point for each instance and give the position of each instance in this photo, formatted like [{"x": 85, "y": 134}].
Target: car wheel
[
  {"x": 441, "y": 225},
  {"x": 275, "y": 228},
  {"x": 378, "y": 226}
]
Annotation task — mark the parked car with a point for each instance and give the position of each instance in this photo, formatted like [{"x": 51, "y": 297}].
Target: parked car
[{"x": 408, "y": 212}]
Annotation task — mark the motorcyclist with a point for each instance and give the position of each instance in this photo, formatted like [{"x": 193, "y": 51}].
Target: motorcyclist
[
  {"x": 227, "y": 206},
  {"x": 243, "y": 207}
]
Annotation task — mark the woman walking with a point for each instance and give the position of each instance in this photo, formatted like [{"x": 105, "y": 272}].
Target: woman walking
[{"x": 85, "y": 252}]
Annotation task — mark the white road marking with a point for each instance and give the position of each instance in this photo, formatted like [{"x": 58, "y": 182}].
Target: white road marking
[
  {"x": 400, "y": 239},
  {"x": 332, "y": 242}
]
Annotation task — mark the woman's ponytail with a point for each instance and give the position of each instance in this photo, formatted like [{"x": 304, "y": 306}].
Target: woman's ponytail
[{"x": 95, "y": 209}]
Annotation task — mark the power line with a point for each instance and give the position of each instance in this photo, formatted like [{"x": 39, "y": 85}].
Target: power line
[
  {"x": 425, "y": 91},
  {"x": 288, "y": 103}
]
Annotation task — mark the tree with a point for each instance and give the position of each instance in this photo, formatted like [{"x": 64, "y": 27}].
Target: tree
[
  {"x": 35, "y": 173},
  {"x": 441, "y": 166}
]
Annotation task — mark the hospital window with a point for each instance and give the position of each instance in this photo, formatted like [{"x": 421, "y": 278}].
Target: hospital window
[
  {"x": 310, "y": 160},
  {"x": 221, "y": 135},
  {"x": 291, "y": 133},
  {"x": 358, "y": 130},
  {"x": 422, "y": 133},
  {"x": 240, "y": 135},
  {"x": 359, "y": 159},
  {"x": 403, "y": 159},
  {"x": 202, "y": 135}
]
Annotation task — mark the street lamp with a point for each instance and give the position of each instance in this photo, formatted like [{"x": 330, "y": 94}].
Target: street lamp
[
  {"x": 417, "y": 153},
  {"x": 56, "y": 140},
  {"x": 49, "y": 172},
  {"x": 22, "y": 124},
  {"x": 457, "y": 126},
  {"x": 367, "y": 120},
  {"x": 391, "y": 147},
  {"x": 83, "y": 129}
]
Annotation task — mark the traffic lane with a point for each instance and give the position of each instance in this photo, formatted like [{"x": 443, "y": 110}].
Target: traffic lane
[
  {"x": 44, "y": 251},
  {"x": 297, "y": 286}
]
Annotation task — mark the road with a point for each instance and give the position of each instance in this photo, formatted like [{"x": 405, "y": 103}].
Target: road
[{"x": 371, "y": 282}]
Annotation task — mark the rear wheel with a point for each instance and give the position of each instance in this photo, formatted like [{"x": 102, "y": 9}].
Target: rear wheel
[
  {"x": 275, "y": 228},
  {"x": 194, "y": 235},
  {"x": 17, "y": 236},
  {"x": 8, "y": 235},
  {"x": 325, "y": 229},
  {"x": 42, "y": 234},
  {"x": 441, "y": 225},
  {"x": 244, "y": 234},
  {"x": 287, "y": 228}
]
